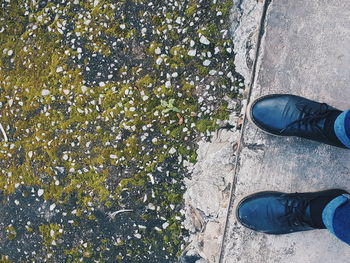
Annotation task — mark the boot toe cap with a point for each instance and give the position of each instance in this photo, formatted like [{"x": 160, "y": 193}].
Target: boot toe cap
[
  {"x": 268, "y": 112},
  {"x": 255, "y": 212}
]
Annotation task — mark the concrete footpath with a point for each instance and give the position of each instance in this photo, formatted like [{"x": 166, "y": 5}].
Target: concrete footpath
[{"x": 305, "y": 51}]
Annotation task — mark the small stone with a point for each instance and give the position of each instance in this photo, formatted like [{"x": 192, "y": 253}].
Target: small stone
[
  {"x": 157, "y": 51},
  {"x": 52, "y": 207},
  {"x": 172, "y": 150},
  {"x": 206, "y": 62},
  {"x": 192, "y": 52},
  {"x": 40, "y": 192},
  {"x": 168, "y": 84},
  {"x": 84, "y": 89},
  {"x": 151, "y": 206},
  {"x": 204, "y": 40},
  {"x": 45, "y": 92},
  {"x": 159, "y": 61}
]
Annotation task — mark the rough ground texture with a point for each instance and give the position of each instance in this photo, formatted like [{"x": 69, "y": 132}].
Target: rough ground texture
[
  {"x": 304, "y": 52},
  {"x": 101, "y": 103},
  {"x": 208, "y": 190}
]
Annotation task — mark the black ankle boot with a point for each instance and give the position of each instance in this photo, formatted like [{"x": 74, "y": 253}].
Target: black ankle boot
[
  {"x": 281, "y": 213},
  {"x": 290, "y": 115}
]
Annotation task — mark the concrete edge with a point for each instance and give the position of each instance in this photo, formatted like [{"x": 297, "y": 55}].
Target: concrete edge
[{"x": 261, "y": 31}]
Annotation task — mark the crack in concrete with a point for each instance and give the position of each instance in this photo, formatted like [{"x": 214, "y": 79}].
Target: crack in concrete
[{"x": 261, "y": 33}]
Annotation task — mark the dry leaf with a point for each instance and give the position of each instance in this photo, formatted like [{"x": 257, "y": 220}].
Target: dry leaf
[{"x": 181, "y": 119}]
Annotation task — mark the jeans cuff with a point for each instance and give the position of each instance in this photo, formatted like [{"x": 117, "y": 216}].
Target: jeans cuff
[
  {"x": 329, "y": 211},
  {"x": 339, "y": 129}
]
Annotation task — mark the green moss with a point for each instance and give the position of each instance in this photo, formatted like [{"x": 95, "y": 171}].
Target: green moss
[
  {"x": 76, "y": 126},
  {"x": 5, "y": 259},
  {"x": 50, "y": 233},
  {"x": 11, "y": 232},
  {"x": 191, "y": 10}
]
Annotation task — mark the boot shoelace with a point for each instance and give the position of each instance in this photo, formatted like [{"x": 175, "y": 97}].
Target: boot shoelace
[
  {"x": 308, "y": 117},
  {"x": 295, "y": 211}
]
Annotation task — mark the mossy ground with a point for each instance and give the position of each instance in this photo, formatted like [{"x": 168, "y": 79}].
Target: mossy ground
[{"x": 102, "y": 102}]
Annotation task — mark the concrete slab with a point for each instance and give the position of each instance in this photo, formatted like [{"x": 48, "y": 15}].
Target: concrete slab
[{"x": 305, "y": 51}]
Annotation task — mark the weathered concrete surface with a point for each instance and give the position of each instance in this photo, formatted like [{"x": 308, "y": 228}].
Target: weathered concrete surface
[
  {"x": 305, "y": 51},
  {"x": 208, "y": 190},
  {"x": 207, "y": 195}
]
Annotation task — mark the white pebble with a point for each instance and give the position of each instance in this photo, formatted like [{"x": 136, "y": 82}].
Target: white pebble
[
  {"x": 151, "y": 206},
  {"x": 172, "y": 150},
  {"x": 157, "y": 51},
  {"x": 40, "y": 192},
  {"x": 206, "y": 62},
  {"x": 204, "y": 40},
  {"x": 192, "y": 52},
  {"x": 84, "y": 89},
  {"x": 159, "y": 61},
  {"x": 45, "y": 92}
]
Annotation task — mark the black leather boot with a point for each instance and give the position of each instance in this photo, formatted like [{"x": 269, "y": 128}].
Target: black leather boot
[
  {"x": 281, "y": 213},
  {"x": 290, "y": 115}
]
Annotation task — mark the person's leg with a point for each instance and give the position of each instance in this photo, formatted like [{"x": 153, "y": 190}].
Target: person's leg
[
  {"x": 281, "y": 213},
  {"x": 290, "y": 115},
  {"x": 342, "y": 128},
  {"x": 336, "y": 217}
]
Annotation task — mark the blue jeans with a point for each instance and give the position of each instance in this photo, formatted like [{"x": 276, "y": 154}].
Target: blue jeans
[
  {"x": 342, "y": 128},
  {"x": 336, "y": 217}
]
